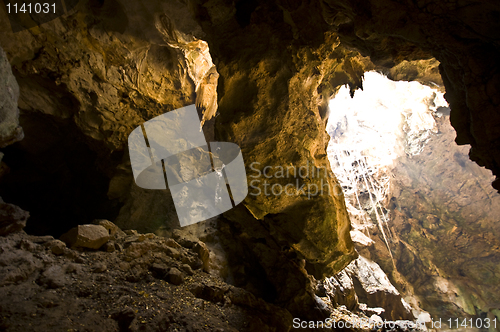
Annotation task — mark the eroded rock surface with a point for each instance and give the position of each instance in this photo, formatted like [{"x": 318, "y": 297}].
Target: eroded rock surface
[
  {"x": 10, "y": 131},
  {"x": 444, "y": 228}
]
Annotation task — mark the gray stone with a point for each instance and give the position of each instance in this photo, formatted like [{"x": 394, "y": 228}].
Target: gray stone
[
  {"x": 53, "y": 277},
  {"x": 114, "y": 231},
  {"x": 109, "y": 246},
  {"x": 159, "y": 271}
]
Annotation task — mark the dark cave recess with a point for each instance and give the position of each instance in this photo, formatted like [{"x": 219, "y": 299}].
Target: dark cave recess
[{"x": 55, "y": 176}]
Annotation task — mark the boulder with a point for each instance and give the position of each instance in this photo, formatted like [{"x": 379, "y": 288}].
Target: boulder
[
  {"x": 114, "y": 231},
  {"x": 204, "y": 254},
  {"x": 86, "y": 236}
]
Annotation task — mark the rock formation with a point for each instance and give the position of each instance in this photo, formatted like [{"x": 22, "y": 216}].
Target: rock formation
[
  {"x": 10, "y": 131},
  {"x": 88, "y": 78},
  {"x": 444, "y": 223}
]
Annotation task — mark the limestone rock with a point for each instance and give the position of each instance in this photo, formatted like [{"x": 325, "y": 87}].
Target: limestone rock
[
  {"x": 445, "y": 219},
  {"x": 114, "y": 231},
  {"x": 363, "y": 285},
  {"x": 186, "y": 268},
  {"x": 10, "y": 131},
  {"x": 86, "y": 236},
  {"x": 375, "y": 289},
  {"x": 12, "y": 218},
  {"x": 204, "y": 254}
]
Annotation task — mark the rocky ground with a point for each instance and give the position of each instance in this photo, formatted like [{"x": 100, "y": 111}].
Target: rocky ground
[
  {"x": 103, "y": 279},
  {"x": 135, "y": 282}
]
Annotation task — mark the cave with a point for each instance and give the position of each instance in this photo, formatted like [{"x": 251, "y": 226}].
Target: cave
[{"x": 370, "y": 137}]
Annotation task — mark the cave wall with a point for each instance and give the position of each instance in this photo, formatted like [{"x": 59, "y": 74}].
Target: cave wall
[
  {"x": 443, "y": 229},
  {"x": 90, "y": 77},
  {"x": 86, "y": 80}
]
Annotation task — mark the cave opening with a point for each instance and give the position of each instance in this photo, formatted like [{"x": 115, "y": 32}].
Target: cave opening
[
  {"x": 412, "y": 194},
  {"x": 368, "y": 132}
]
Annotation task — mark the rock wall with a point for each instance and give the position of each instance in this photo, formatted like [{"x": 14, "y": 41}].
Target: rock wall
[
  {"x": 10, "y": 131},
  {"x": 444, "y": 230}
]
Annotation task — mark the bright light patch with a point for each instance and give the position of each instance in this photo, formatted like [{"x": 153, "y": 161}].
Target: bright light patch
[{"x": 383, "y": 121}]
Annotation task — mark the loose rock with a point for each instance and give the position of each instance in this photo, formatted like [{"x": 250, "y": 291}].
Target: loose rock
[{"x": 86, "y": 236}]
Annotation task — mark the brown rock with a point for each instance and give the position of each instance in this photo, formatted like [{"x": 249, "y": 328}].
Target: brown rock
[
  {"x": 159, "y": 271},
  {"x": 114, "y": 231},
  {"x": 109, "y": 246},
  {"x": 175, "y": 277},
  {"x": 174, "y": 253},
  {"x": 186, "y": 268},
  {"x": 57, "y": 247},
  {"x": 100, "y": 268},
  {"x": 204, "y": 254},
  {"x": 86, "y": 236},
  {"x": 171, "y": 243}
]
